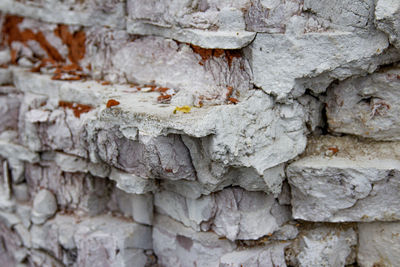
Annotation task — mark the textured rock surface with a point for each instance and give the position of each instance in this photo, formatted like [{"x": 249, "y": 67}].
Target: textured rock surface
[
  {"x": 199, "y": 133},
  {"x": 342, "y": 188},
  {"x": 379, "y": 244},
  {"x": 366, "y": 106}
]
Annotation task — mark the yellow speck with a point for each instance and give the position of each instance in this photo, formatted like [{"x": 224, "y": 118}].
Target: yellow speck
[{"x": 184, "y": 109}]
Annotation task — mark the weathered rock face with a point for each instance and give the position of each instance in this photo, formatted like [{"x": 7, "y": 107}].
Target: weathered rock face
[
  {"x": 366, "y": 106},
  {"x": 199, "y": 133}
]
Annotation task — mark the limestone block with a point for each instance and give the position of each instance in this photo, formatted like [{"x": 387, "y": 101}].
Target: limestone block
[
  {"x": 323, "y": 246},
  {"x": 270, "y": 255},
  {"x": 109, "y": 13},
  {"x": 5, "y": 76},
  {"x": 18, "y": 152},
  {"x": 294, "y": 60},
  {"x": 366, "y": 106},
  {"x": 269, "y": 134},
  {"x": 8, "y": 246},
  {"x": 342, "y": 179},
  {"x": 194, "y": 75},
  {"x": 346, "y": 13},
  {"x": 9, "y": 110},
  {"x": 44, "y": 206},
  {"x": 387, "y": 19},
  {"x": 232, "y": 213},
  {"x": 101, "y": 240},
  {"x": 131, "y": 183},
  {"x": 379, "y": 244},
  {"x": 216, "y": 24},
  {"x": 97, "y": 240},
  {"x": 77, "y": 191},
  {"x": 137, "y": 206},
  {"x": 70, "y": 163},
  {"x": 177, "y": 245},
  {"x": 162, "y": 157}
]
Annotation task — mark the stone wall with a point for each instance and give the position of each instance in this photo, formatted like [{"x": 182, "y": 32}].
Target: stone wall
[{"x": 200, "y": 133}]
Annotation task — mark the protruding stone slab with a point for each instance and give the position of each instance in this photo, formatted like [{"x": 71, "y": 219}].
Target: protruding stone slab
[
  {"x": 294, "y": 60},
  {"x": 208, "y": 25},
  {"x": 342, "y": 179},
  {"x": 379, "y": 244}
]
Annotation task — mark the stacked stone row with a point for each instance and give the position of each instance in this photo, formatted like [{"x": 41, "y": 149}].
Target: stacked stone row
[{"x": 199, "y": 133}]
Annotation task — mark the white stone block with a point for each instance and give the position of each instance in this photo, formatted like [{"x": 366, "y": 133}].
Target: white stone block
[
  {"x": 357, "y": 181},
  {"x": 366, "y": 106},
  {"x": 379, "y": 244},
  {"x": 177, "y": 245}
]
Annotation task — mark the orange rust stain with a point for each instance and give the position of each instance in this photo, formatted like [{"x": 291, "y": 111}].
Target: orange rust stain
[
  {"x": 206, "y": 54},
  {"x": 233, "y": 100},
  {"x": 333, "y": 149},
  {"x": 230, "y": 90},
  {"x": 12, "y": 33},
  {"x": 75, "y": 42},
  {"x": 78, "y": 109},
  {"x": 164, "y": 98},
  {"x": 162, "y": 89},
  {"x": 112, "y": 102},
  {"x": 106, "y": 83}
]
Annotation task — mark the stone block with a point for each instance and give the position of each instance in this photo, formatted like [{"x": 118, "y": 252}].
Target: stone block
[
  {"x": 387, "y": 19},
  {"x": 342, "y": 179},
  {"x": 323, "y": 245},
  {"x": 313, "y": 60},
  {"x": 177, "y": 245},
  {"x": 366, "y": 106},
  {"x": 379, "y": 244},
  {"x": 209, "y": 25},
  {"x": 109, "y": 13},
  {"x": 270, "y": 255},
  {"x": 232, "y": 213},
  {"x": 77, "y": 191}
]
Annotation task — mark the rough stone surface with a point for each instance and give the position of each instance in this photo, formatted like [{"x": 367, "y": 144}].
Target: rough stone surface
[
  {"x": 323, "y": 246},
  {"x": 379, "y": 244},
  {"x": 387, "y": 19},
  {"x": 366, "y": 106},
  {"x": 199, "y": 133},
  {"x": 340, "y": 188},
  {"x": 271, "y": 255},
  {"x": 177, "y": 245},
  {"x": 340, "y": 57}
]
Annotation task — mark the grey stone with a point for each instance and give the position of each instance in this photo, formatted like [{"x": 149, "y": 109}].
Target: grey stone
[
  {"x": 44, "y": 206},
  {"x": 77, "y": 191},
  {"x": 177, "y": 245},
  {"x": 137, "y": 206},
  {"x": 379, "y": 244},
  {"x": 182, "y": 21},
  {"x": 295, "y": 57},
  {"x": 88, "y": 13},
  {"x": 366, "y": 106},
  {"x": 131, "y": 183},
  {"x": 387, "y": 19},
  {"x": 357, "y": 183},
  {"x": 323, "y": 246},
  {"x": 270, "y": 255},
  {"x": 231, "y": 213}
]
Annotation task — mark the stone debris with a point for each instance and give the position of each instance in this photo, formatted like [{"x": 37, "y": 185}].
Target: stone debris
[{"x": 199, "y": 133}]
